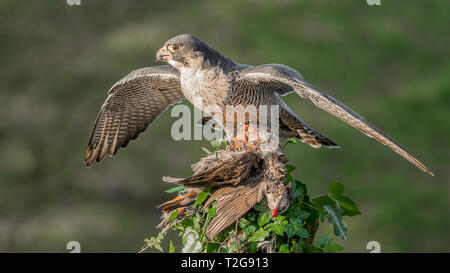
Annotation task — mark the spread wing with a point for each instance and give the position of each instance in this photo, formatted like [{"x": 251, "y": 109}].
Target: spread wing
[
  {"x": 132, "y": 104},
  {"x": 284, "y": 79},
  {"x": 233, "y": 201}
]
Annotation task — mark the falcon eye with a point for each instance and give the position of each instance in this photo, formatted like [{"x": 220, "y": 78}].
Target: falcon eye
[{"x": 174, "y": 47}]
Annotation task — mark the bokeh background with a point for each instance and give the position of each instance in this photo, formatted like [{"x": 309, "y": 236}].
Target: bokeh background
[{"x": 390, "y": 63}]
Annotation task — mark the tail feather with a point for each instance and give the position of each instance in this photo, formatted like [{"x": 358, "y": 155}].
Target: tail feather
[{"x": 294, "y": 126}]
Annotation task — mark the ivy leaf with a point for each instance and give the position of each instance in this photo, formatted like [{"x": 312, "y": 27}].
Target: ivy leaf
[
  {"x": 289, "y": 167},
  {"x": 322, "y": 215},
  {"x": 263, "y": 218},
  {"x": 289, "y": 178},
  {"x": 212, "y": 212},
  {"x": 348, "y": 206},
  {"x": 158, "y": 247},
  {"x": 313, "y": 249},
  {"x": 252, "y": 216},
  {"x": 322, "y": 201},
  {"x": 336, "y": 188},
  {"x": 268, "y": 227},
  {"x": 179, "y": 188},
  {"x": 298, "y": 189},
  {"x": 197, "y": 220},
  {"x": 303, "y": 215},
  {"x": 243, "y": 222},
  {"x": 252, "y": 248},
  {"x": 261, "y": 207},
  {"x": 187, "y": 222},
  {"x": 302, "y": 233},
  {"x": 335, "y": 217},
  {"x": 259, "y": 236},
  {"x": 333, "y": 248},
  {"x": 284, "y": 248},
  {"x": 298, "y": 246},
  {"x": 280, "y": 219},
  {"x": 296, "y": 228},
  {"x": 155, "y": 242},
  {"x": 171, "y": 247},
  {"x": 292, "y": 140},
  {"x": 323, "y": 240},
  {"x": 328, "y": 245},
  {"x": 278, "y": 229},
  {"x": 202, "y": 196},
  {"x": 173, "y": 215},
  {"x": 212, "y": 247},
  {"x": 218, "y": 144},
  {"x": 278, "y": 225},
  {"x": 249, "y": 230}
]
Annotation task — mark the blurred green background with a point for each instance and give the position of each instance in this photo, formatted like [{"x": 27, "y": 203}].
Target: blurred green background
[{"x": 390, "y": 63}]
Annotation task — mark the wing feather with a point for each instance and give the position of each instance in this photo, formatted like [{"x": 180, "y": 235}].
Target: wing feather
[
  {"x": 133, "y": 103},
  {"x": 233, "y": 203},
  {"x": 287, "y": 78}
]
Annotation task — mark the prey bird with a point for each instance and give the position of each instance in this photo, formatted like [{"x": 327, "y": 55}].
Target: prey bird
[
  {"x": 205, "y": 77},
  {"x": 243, "y": 178}
]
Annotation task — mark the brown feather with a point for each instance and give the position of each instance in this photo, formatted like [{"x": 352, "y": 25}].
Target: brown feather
[
  {"x": 231, "y": 170},
  {"x": 233, "y": 203}
]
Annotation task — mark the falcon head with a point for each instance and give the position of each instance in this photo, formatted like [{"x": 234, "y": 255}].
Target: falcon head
[
  {"x": 182, "y": 51},
  {"x": 187, "y": 53}
]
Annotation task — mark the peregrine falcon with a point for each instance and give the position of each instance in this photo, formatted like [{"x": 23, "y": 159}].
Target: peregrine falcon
[{"x": 204, "y": 77}]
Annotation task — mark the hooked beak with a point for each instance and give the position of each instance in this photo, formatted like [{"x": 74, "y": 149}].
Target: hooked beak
[
  {"x": 275, "y": 212},
  {"x": 162, "y": 55}
]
